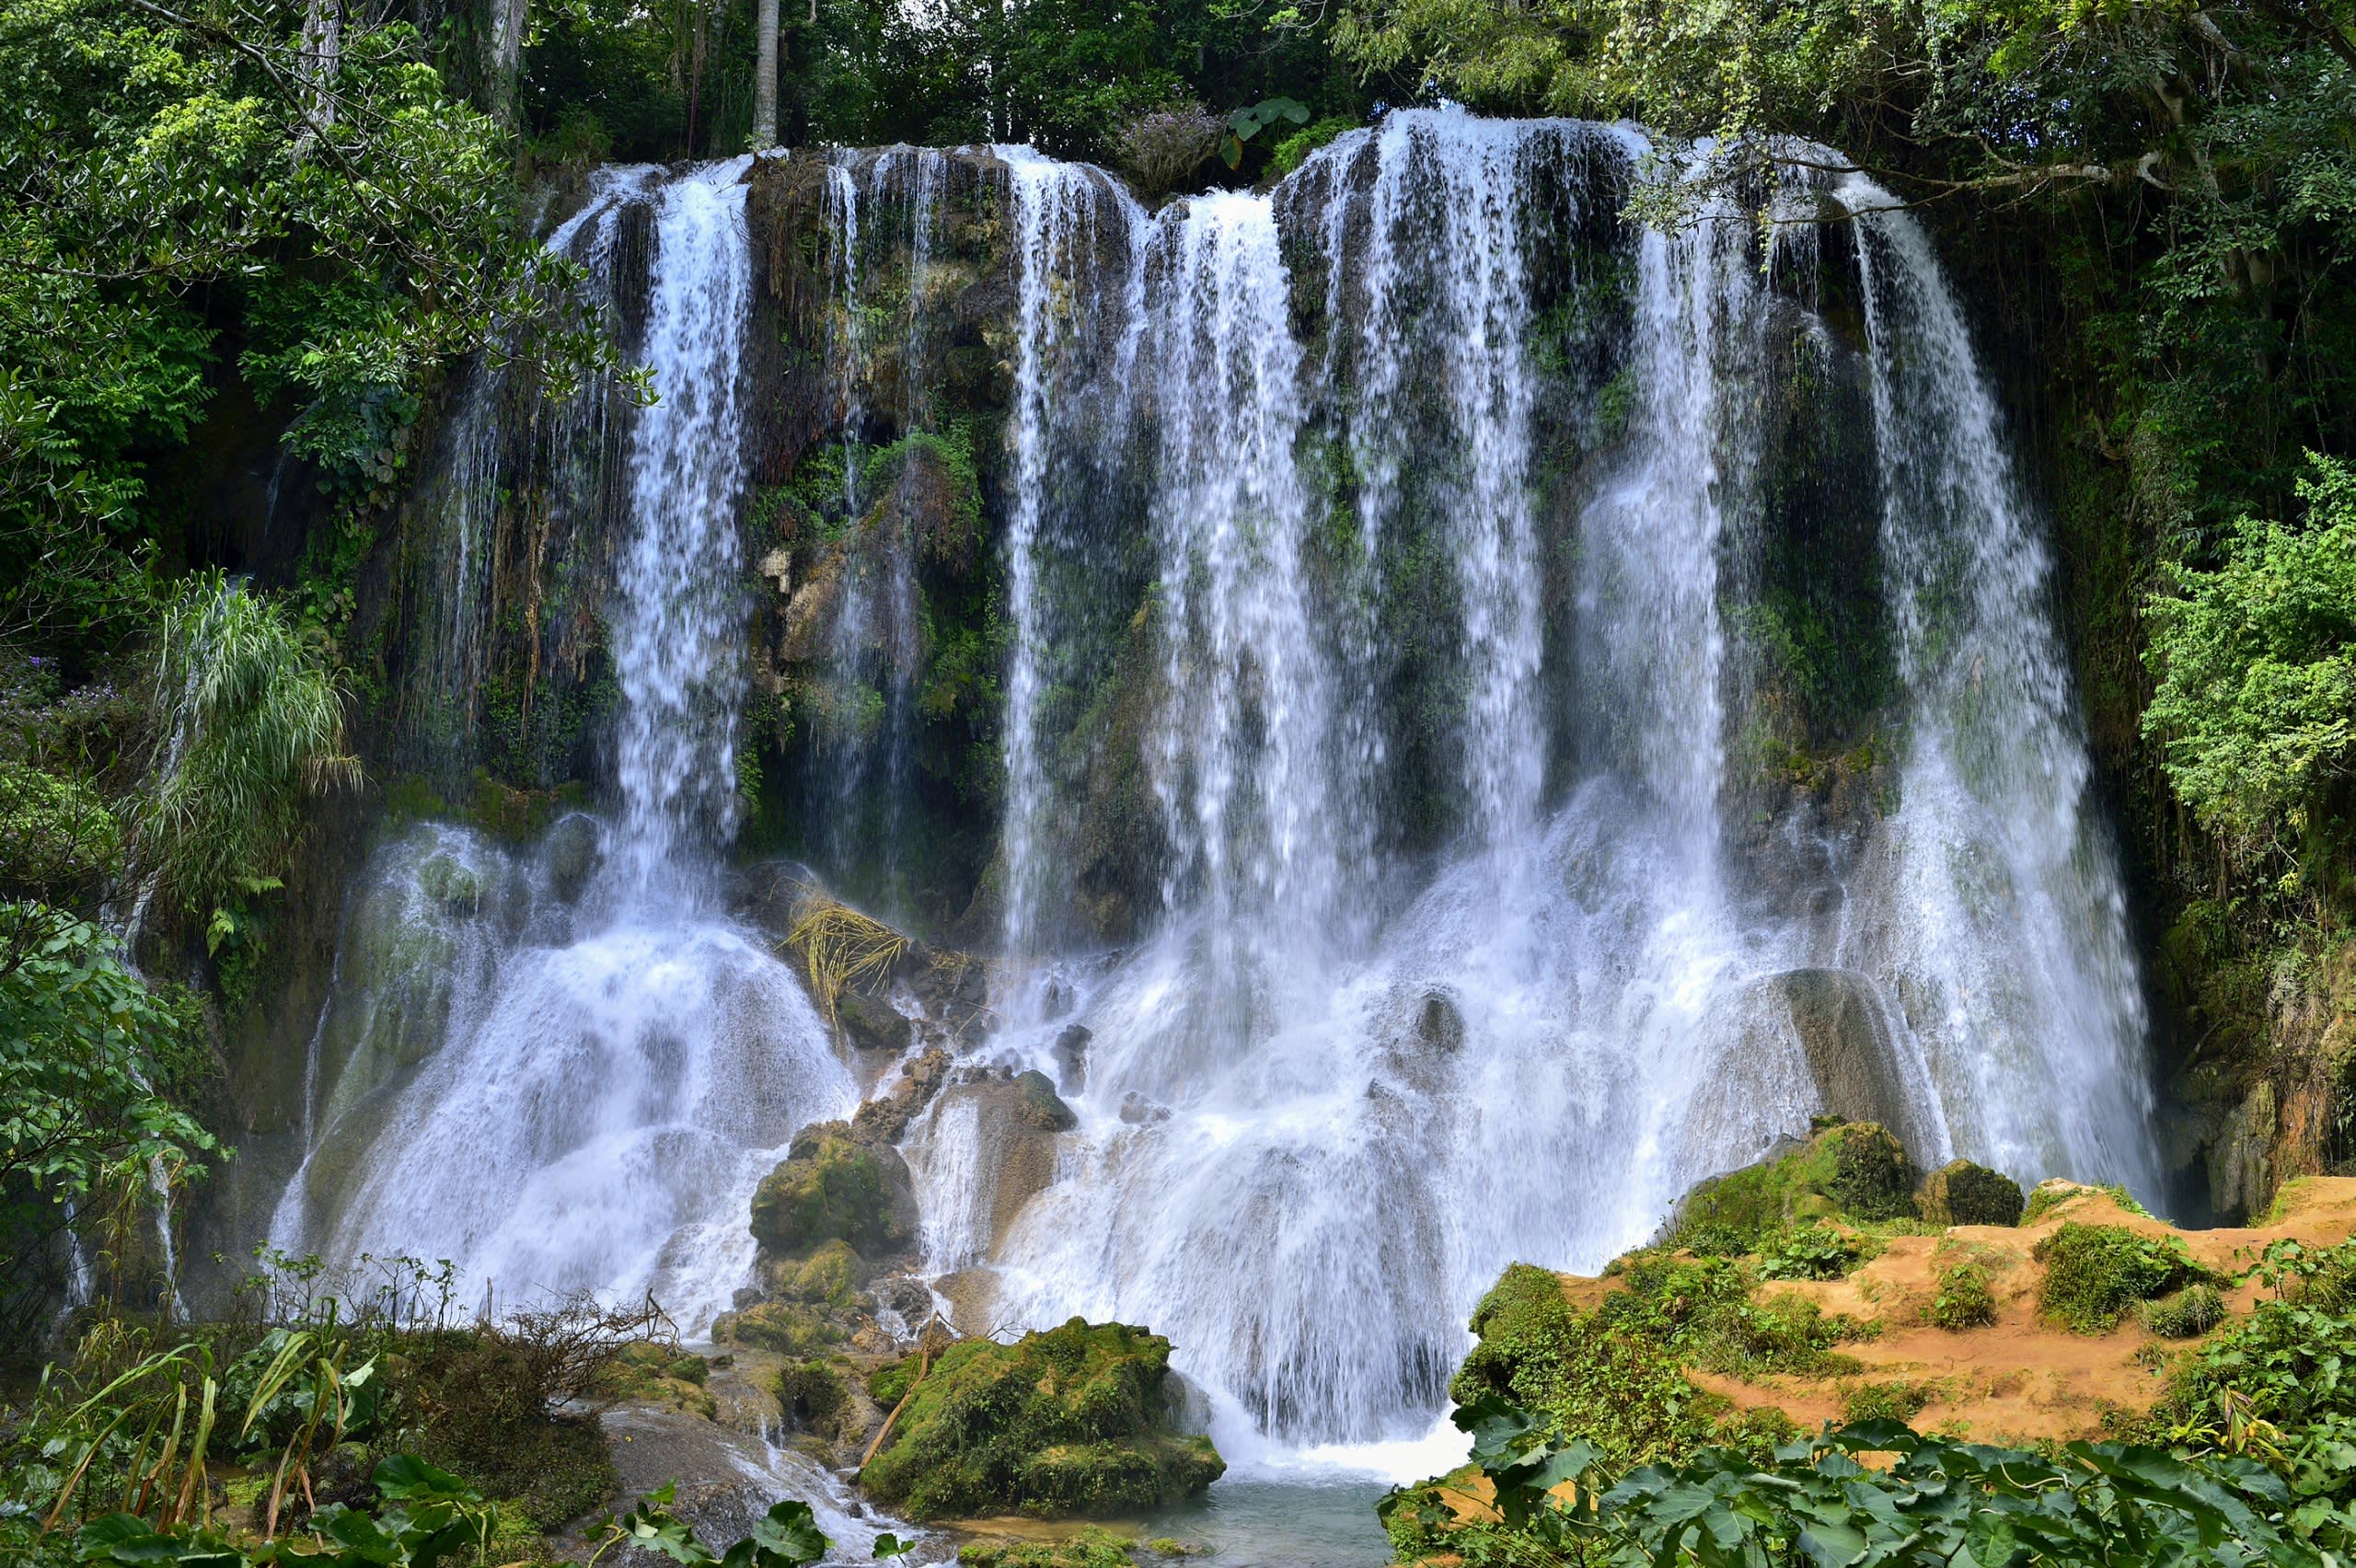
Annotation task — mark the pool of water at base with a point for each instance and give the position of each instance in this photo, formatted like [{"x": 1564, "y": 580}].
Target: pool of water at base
[
  {"x": 1245, "y": 1521},
  {"x": 1253, "y": 1522}
]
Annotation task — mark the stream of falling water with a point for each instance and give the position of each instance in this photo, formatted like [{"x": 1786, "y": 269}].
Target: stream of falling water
[{"x": 603, "y": 1066}]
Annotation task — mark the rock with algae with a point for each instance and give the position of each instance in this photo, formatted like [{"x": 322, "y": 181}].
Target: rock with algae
[
  {"x": 1072, "y": 1422},
  {"x": 1855, "y": 1170}
]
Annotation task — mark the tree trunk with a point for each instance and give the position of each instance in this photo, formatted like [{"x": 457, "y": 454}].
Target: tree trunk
[
  {"x": 322, "y": 55},
  {"x": 765, "y": 80},
  {"x": 508, "y": 20}
]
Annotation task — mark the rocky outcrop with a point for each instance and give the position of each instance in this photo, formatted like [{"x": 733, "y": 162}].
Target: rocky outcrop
[
  {"x": 1838, "y": 1017},
  {"x": 1961, "y": 1193},
  {"x": 1076, "y": 1420}
]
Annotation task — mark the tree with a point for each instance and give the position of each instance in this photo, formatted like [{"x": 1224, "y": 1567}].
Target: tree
[{"x": 765, "y": 77}]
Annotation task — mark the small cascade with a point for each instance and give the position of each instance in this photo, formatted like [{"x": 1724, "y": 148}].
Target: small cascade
[
  {"x": 1241, "y": 763},
  {"x": 675, "y": 626},
  {"x": 881, "y": 214},
  {"x": 1442, "y": 354},
  {"x": 481, "y": 459},
  {"x": 1060, "y": 211},
  {"x": 2009, "y": 935},
  {"x": 557, "y": 1068}
]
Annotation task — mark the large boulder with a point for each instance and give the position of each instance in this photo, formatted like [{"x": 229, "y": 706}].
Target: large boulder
[
  {"x": 831, "y": 1188},
  {"x": 1839, "y": 1019},
  {"x": 1003, "y": 1130},
  {"x": 1961, "y": 1193},
  {"x": 1075, "y": 1421}
]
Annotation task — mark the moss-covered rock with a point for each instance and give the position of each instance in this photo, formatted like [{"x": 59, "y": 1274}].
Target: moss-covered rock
[
  {"x": 830, "y": 1189},
  {"x": 654, "y": 1374},
  {"x": 1854, "y": 1170},
  {"x": 1071, "y": 1422},
  {"x": 1961, "y": 1193},
  {"x": 815, "y": 1396},
  {"x": 790, "y": 1328},
  {"x": 826, "y": 1277}
]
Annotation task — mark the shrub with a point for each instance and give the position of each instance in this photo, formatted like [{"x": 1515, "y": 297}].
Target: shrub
[
  {"x": 1162, "y": 150},
  {"x": 1813, "y": 1252},
  {"x": 2256, "y": 702},
  {"x": 2188, "y": 1314},
  {"x": 2096, "y": 1274},
  {"x": 249, "y": 723},
  {"x": 1964, "y": 1300},
  {"x": 1884, "y": 1401},
  {"x": 1294, "y": 150}
]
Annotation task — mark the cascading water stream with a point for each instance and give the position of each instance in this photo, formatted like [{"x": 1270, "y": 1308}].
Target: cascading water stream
[
  {"x": 1314, "y": 1124},
  {"x": 2013, "y": 964},
  {"x": 592, "y": 1071}
]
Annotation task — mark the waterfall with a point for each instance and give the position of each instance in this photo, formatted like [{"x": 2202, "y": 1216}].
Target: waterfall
[
  {"x": 555, "y": 1067},
  {"x": 876, "y": 205},
  {"x": 2010, "y": 936},
  {"x": 1364, "y": 1056},
  {"x": 675, "y": 622},
  {"x": 1573, "y": 702},
  {"x": 1058, "y": 210}
]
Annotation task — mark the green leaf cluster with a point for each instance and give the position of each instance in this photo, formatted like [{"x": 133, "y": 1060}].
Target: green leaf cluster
[{"x": 2255, "y": 659}]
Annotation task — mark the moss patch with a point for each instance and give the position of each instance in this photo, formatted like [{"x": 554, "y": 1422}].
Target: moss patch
[
  {"x": 829, "y": 1189},
  {"x": 1856, "y": 1170},
  {"x": 1069, "y": 1422},
  {"x": 1093, "y": 1548},
  {"x": 1961, "y": 1193}
]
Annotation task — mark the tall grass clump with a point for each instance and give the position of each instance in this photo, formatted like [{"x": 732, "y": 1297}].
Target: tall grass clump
[{"x": 249, "y": 724}]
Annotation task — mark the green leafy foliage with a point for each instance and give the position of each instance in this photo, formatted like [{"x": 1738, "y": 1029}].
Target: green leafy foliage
[
  {"x": 2190, "y": 1313},
  {"x": 1813, "y": 1252},
  {"x": 89, "y": 1056},
  {"x": 250, "y": 724},
  {"x": 1938, "y": 1503},
  {"x": 184, "y": 177},
  {"x": 1246, "y": 123},
  {"x": 2255, "y": 663},
  {"x": 1614, "y": 1375}
]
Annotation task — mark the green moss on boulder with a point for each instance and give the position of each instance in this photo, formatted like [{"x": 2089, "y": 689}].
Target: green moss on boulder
[
  {"x": 1961, "y": 1193},
  {"x": 791, "y": 1327},
  {"x": 827, "y": 1277},
  {"x": 827, "y": 1188},
  {"x": 1071, "y": 1422},
  {"x": 1853, "y": 1170}
]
